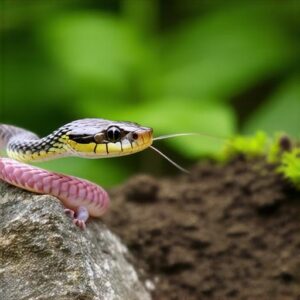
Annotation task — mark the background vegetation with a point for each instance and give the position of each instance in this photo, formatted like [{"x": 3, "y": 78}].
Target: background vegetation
[{"x": 218, "y": 67}]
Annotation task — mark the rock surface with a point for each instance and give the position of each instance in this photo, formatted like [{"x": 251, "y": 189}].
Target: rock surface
[{"x": 44, "y": 256}]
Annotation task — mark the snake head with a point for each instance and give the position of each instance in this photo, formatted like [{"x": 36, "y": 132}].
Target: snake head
[{"x": 97, "y": 138}]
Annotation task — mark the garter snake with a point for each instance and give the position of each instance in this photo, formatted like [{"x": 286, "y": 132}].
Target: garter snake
[{"x": 89, "y": 138}]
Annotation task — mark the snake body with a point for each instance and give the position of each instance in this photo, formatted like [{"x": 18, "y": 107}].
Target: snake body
[{"x": 90, "y": 138}]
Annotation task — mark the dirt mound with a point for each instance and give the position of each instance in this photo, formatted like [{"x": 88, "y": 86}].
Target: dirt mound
[{"x": 230, "y": 232}]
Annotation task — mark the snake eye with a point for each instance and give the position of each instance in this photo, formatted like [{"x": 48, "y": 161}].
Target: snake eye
[{"x": 113, "y": 134}]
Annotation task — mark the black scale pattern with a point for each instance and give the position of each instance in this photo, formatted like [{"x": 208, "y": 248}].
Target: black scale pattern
[{"x": 20, "y": 140}]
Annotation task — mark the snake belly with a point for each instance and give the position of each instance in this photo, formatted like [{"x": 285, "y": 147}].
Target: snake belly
[
  {"x": 90, "y": 138},
  {"x": 73, "y": 192}
]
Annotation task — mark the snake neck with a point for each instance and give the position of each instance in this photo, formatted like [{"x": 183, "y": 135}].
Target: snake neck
[
  {"x": 23, "y": 145},
  {"x": 7, "y": 132}
]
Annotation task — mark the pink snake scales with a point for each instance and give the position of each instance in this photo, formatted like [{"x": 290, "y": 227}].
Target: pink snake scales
[{"x": 90, "y": 138}]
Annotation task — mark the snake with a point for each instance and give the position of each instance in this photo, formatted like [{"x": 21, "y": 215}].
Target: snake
[{"x": 88, "y": 138}]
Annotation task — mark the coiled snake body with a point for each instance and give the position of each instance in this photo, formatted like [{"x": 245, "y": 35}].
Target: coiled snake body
[{"x": 90, "y": 138}]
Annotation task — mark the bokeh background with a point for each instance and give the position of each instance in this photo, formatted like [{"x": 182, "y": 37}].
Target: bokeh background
[{"x": 218, "y": 67}]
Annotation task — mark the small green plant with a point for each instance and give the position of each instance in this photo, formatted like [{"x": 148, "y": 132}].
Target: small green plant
[
  {"x": 290, "y": 166},
  {"x": 278, "y": 150},
  {"x": 249, "y": 146},
  {"x": 281, "y": 143}
]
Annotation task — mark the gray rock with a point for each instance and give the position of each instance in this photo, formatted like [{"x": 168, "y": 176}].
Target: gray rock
[{"x": 44, "y": 256}]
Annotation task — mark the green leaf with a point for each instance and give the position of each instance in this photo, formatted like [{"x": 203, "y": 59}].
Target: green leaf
[
  {"x": 100, "y": 52},
  {"x": 224, "y": 53},
  {"x": 280, "y": 113}
]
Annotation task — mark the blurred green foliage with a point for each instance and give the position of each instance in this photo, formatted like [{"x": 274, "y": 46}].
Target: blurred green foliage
[
  {"x": 279, "y": 150},
  {"x": 217, "y": 67},
  {"x": 249, "y": 146},
  {"x": 290, "y": 167}
]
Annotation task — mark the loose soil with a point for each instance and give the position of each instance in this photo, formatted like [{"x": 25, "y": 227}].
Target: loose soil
[{"x": 221, "y": 232}]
